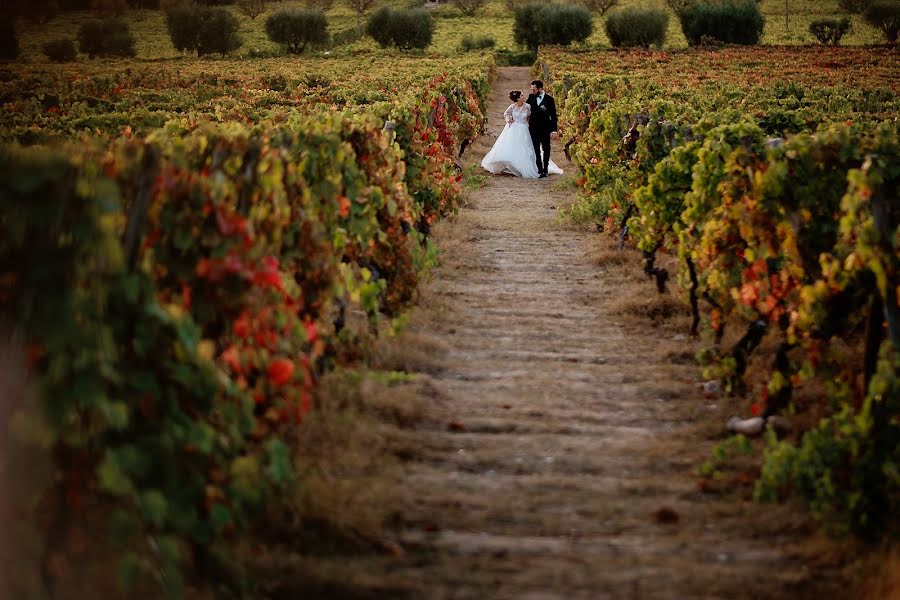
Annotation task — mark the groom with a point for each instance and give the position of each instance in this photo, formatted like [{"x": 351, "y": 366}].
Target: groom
[{"x": 542, "y": 124}]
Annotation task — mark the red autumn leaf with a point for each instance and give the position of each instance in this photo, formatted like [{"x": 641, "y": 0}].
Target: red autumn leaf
[
  {"x": 233, "y": 264},
  {"x": 281, "y": 370},
  {"x": 203, "y": 267},
  {"x": 242, "y": 326},
  {"x": 267, "y": 278},
  {"x": 749, "y": 293},
  {"x": 312, "y": 332},
  {"x": 343, "y": 206},
  {"x": 186, "y": 295},
  {"x": 232, "y": 359},
  {"x": 303, "y": 406},
  {"x": 226, "y": 227}
]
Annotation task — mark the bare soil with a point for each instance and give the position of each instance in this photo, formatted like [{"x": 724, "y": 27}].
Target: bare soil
[{"x": 558, "y": 451}]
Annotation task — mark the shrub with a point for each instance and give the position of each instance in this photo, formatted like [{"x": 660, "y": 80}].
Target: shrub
[
  {"x": 527, "y": 26},
  {"x": 379, "y": 26},
  {"x": 413, "y": 28},
  {"x": 830, "y": 31},
  {"x": 480, "y": 43},
  {"x": 111, "y": 37},
  {"x": 218, "y": 31},
  {"x": 468, "y": 7},
  {"x": 730, "y": 21},
  {"x": 252, "y": 8},
  {"x": 202, "y": 30},
  {"x": 637, "y": 27},
  {"x": 9, "y": 39},
  {"x": 566, "y": 23},
  {"x": 406, "y": 29},
  {"x": 885, "y": 15},
  {"x": 856, "y": 7},
  {"x": 537, "y": 24},
  {"x": 60, "y": 50},
  {"x": 295, "y": 29},
  {"x": 183, "y": 23}
]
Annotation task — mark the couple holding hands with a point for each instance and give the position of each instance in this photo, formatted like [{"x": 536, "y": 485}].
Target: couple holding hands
[{"x": 523, "y": 147}]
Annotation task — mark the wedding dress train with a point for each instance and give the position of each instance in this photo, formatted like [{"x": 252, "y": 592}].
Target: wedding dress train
[{"x": 513, "y": 151}]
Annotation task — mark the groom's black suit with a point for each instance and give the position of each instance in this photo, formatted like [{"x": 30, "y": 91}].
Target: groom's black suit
[{"x": 541, "y": 124}]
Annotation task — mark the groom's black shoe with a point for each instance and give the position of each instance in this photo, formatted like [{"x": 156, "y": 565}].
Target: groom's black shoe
[{"x": 542, "y": 175}]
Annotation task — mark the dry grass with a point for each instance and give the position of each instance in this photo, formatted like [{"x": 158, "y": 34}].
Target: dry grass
[
  {"x": 291, "y": 575},
  {"x": 348, "y": 447},
  {"x": 637, "y": 300},
  {"x": 609, "y": 257},
  {"x": 348, "y": 454},
  {"x": 417, "y": 353},
  {"x": 659, "y": 309}
]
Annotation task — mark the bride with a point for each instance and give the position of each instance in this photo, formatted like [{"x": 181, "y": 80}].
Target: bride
[{"x": 513, "y": 152}]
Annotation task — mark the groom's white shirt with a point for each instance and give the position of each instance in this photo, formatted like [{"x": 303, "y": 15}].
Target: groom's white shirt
[{"x": 540, "y": 98}]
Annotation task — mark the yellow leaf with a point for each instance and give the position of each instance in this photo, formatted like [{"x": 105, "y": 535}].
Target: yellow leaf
[
  {"x": 175, "y": 310},
  {"x": 206, "y": 349},
  {"x": 851, "y": 262}
]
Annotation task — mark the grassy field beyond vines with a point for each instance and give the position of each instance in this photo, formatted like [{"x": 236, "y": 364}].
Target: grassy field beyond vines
[{"x": 494, "y": 19}]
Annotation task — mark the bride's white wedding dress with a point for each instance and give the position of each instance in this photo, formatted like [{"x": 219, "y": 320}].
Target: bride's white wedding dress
[{"x": 513, "y": 151}]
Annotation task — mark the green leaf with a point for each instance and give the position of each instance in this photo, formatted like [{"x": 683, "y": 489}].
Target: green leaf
[
  {"x": 167, "y": 550},
  {"x": 155, "y": 507},
  {"x": 112, "y": 479},
  {"x": 117, "y": 415},
  {"x": 220, "y": 516},
  {"x": 131, "y": 287},
  {"x": 131, "y": 567},
  {"x": 182, "y": 238},
  {"x": 279, "y": 470},
  {"x": 122, "y": 526}
]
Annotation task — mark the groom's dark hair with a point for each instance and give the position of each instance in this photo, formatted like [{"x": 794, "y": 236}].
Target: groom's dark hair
[{"x": 538, "y": 84}]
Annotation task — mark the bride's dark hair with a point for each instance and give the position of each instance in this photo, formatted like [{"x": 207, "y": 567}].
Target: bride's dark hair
[{"x": 514, "y": 95}]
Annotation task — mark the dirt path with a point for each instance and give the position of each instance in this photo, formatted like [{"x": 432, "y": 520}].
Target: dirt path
[{"x": 559, "y": 458}]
